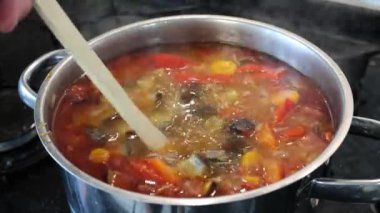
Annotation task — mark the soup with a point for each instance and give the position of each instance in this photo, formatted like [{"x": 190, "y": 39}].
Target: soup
[{"x": 236, "y": 119}]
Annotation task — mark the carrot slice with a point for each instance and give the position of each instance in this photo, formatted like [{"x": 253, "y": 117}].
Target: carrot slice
[
  {"x": 167, "y": 172},
  {"x": 144, "y": 169}
]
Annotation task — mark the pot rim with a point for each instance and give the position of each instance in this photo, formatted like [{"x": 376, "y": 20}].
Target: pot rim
[{"x": 47, "y": 141}]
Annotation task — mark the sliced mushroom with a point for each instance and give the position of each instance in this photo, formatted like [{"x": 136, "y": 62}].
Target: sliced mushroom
[
  {"x": 133, "y": 145},
  {"x": 204, "y": 111},
  {"x": 241, "y": 126},
  {"x": 189, "y": 93},
  {"x": 96, "y": 134}
]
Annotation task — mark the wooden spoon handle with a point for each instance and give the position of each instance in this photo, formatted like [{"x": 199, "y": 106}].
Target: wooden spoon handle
[{"x": 65, "y": 31}]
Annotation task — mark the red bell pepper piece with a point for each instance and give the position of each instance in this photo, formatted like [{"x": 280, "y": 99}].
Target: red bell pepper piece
[
  {"x": 183, "y": 77},
  {"x": 294, "y": 132},
  {"x": 283, "y": 109},
  {"x": 260, "y": 71},
  {"x": 271, "y": 75},
  {"x": 169, "y": 61},
  {"x": 251, "y": 67}
]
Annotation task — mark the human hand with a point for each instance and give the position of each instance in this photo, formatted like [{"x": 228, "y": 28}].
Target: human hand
[{"x": 11, "y": 12}]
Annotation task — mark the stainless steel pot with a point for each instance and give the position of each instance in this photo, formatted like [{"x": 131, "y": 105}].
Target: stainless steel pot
[{"x": 87, "y": 194}]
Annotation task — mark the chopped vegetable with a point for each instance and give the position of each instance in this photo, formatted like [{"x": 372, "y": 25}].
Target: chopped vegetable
[
  {"x": 204, "y": 111},
  {"x": 133, "y": 145},
  {"x": 213, "y": 124},
  {"x": 295, "y": 132},
  {"x": 192, "y": 167},
  {"x": 79, "y": 93},
  {"x": 250, "y": 161},
  {"x": 283, "y": 109},
  {"x": 209, "y": 188},
  {"x": 161, "y": 118},
  {"x": 216, "y": 155},
  {"x": 236, "y": 144},
  {"x": 273, "y": 171},
  {"x": 260, "y": 71},
  {"x": 167, "y": 173},
  {"x": 280, "y": 97},
  {"x": 229, "y": 96},
  {"x": 241, "y": 126},
  {"x": 275, "y": 75},
  {"x": 96, "y": 134},
  {"x": 99, "y": 155},
  {"x": 251, "y": 182},
  {"x": 265, "y": 137},
  {"x": 231, "y": 112},
  {"x": 223, "y": 67},
  {"x": 190, "y": 92},
  {"x": 251, "y": 67},
  {"x": 169, "y": 61}
]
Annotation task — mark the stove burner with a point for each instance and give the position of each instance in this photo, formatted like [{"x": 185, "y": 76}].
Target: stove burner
[
  {"x": 16, "y": 123},
  {"x": 21, "y": 157}
]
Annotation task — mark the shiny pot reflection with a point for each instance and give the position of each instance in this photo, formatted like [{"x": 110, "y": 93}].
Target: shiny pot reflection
[{"x": 87, "y": 194}]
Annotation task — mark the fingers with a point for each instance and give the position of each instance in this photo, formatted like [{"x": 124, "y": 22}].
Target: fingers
[{"x": 11, "y": 12}]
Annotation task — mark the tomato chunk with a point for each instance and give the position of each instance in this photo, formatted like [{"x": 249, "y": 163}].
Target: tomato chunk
[{"x": 169, "y": 61}]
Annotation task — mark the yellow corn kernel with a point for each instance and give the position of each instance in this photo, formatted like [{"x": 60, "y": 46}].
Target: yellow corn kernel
[
  {"x": 99, "y": 155},
  {"x": 279, "y": 97},
  {"x": 223, "y": 67},
  {"x": 250, "y": 159}
]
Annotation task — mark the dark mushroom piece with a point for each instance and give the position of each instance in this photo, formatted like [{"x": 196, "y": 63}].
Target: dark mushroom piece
[
  {"x": 204, "y": 111},
  {"x": 97, "y": 135},
  {"x": 235, "y": 144},
  {"x": 241, "y": 127},
  {"x": 216, "y": 155},
  {"x": 189, "y": 93},
  {"x": 158, "y": 98},
  {"x": 133, "y": 145}
]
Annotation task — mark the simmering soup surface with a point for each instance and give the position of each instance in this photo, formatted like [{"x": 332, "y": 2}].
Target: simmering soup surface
[{"x": 237, "y": 119}]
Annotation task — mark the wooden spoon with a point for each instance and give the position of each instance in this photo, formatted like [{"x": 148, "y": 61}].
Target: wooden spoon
[{"x": 65, "y": 31}]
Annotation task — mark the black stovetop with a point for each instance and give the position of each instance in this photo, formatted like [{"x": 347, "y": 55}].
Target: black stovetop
[{"x": 30, "y": 180}]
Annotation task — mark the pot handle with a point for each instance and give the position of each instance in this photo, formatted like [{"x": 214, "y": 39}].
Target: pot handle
[
  {"x": 26, "y": 92},
  {"x": 358, "y": 191}
]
